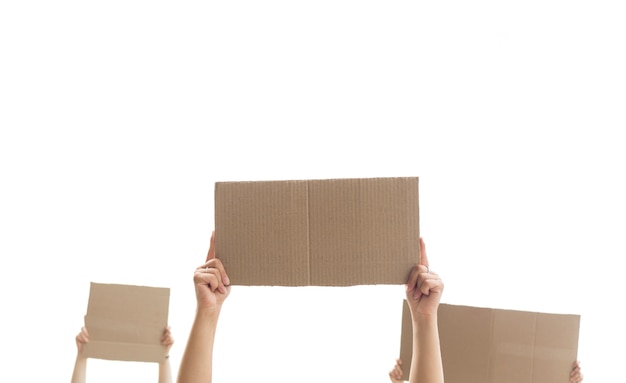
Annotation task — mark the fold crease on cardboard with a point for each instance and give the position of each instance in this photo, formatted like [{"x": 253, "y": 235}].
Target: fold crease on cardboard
[
  {"x": 485, "y": 345},
  {"x": 126, "y": 322}
]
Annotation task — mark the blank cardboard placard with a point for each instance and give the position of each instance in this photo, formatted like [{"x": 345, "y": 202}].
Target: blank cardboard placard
[
  {"x": 334, "y": 232},
  {"x": 485, "y": 345},
  {"x": 126, "y": 322}
]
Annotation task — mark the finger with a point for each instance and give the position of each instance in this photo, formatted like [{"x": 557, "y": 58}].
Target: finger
[
  {"x": 167, "y": 341},
  {"x": 429, "y": 283},
  {"x": 423, "y": 255},
  {"x": 166, "y": 334},
  {"x": 211, "y": 253},
  {"x": 216, "y": 263},
  {"x": 423, "y": 276},
  {"x": 82, "y": 338},
  {"x": 212, "y": 278},
  {"x": 84, "y": 334},
  {"x": 213, "y": 281},
  {"x": 411, "y": 283}
]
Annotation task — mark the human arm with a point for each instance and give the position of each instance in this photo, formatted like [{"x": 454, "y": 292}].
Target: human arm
[
  {"x": 212, "y": 288},
  {"x": 576, "y": 375},
  {"x": 80, "y": 365},
  {"x": 423, "y": 293},
  {"x": 165, "y": 370},
  {"x": 395, "y": 375}
]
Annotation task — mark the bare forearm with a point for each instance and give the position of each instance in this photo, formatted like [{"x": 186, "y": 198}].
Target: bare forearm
[
  {"x": 80, "y": 370},
  {"x": 426, "y": 364},
  {"x": 165, "y": 371},
  {"x": 196, "y": 366}
]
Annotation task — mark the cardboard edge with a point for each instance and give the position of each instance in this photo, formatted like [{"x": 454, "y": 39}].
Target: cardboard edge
[
  {"x": 406, "y": 340},
  {"x": 124, "y": 351}
]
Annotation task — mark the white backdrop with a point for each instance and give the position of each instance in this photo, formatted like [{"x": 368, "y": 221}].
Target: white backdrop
[{"x": 118, "y": 117}]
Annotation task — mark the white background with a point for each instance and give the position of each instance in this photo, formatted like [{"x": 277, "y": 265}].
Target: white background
[{"x": 118, "y": 117}]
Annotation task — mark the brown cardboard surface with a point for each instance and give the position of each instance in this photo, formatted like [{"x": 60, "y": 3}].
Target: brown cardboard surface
[
  {"x": 485, "y": 345},
  {"x": 334, "y": 232},
  {"x": 126, "y": 322}
]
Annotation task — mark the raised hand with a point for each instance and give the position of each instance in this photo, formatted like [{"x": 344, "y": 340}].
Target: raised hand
[
  {"x": 424, "y": 287},
  {"x": 166, "y": 339},
  {"x": 81, "y": 339},
  {"x": 576, "y": 376},
  {"x": 423, "y": 293},
  {"x": 79, "y": 375},
  {"x": 395, "y": 375},
  {"x": 211, "y": 281},
  {"x": 212, "y": 289}
]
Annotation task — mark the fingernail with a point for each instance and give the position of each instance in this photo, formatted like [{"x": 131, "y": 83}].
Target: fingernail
[{"x": 226, "y": 281}]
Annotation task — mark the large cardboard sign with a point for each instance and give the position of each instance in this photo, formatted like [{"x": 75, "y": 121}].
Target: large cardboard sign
[
  {"x": 485, "y": 345},
  {"x": 336, "y": 232},
  {"x": 126, "y": 322}
]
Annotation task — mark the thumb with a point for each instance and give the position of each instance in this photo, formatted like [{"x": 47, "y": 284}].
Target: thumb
[
  {"x": 211, "y": 254},
  {"x": 423, "y": 256}
]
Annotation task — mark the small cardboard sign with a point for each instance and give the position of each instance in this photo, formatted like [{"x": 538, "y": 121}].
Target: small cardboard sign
[
  {"x": 126, "y": 322},
  {"x": 485, "y": 345},
  {"x": 334, "y": 232}
]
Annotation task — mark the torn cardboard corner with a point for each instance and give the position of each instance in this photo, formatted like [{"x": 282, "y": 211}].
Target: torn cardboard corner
[
  {"x": 484, "y": 345},
  {"x": 335, "y": 232},
  {"x": 126, "y": 322}
]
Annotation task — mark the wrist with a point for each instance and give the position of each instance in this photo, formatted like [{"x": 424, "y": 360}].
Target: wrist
[
  {"x": 80, "y": 357},
  {"x": 424, "y": 318},
  {"x": 208, "y": 313}
]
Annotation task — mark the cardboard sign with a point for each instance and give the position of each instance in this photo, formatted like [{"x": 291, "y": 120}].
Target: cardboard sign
[
  {"x": 126, "y": 322},
  {"x": 484, "y": 345},
  {"x": 338, "y": 232}
]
